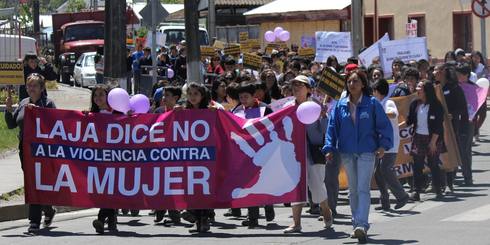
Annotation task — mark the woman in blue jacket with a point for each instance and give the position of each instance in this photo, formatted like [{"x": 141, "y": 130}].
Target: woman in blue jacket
[{"x": 359, "y": 130}]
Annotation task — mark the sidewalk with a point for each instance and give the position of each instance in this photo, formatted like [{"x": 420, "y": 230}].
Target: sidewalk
[{"x": 11, "y": 176}]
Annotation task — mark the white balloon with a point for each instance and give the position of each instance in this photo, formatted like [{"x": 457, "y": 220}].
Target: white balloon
[{"x": 483, "y": 82}]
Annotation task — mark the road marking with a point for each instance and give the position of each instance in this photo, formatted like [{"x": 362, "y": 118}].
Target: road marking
[{"x": 477, "y": 214}]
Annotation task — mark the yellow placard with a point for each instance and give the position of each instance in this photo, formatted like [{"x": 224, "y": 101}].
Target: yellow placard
[
  {"x": 252, "y": 61},
  {"x": 254, "y": 44},
  {"x": 306, "y": 52},
  {"x": 219, "y": 44},
  {"x": 243, "y": 36},
  {"x": 11, "y": 73},
  {"x": 233, "y": 50},
  {"x": 207, "y": 51}
]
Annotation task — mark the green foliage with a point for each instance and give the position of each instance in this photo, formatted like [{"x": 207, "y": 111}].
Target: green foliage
[
  {"x": 8, "y": 137},
  {"x": 142, "y": 32},
  {"x": 75, "y": 5},
  {"x": 25, "y": 14}
]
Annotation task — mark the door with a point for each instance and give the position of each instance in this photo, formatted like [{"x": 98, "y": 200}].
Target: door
[
  {"x": 463, "y": 31},
  {"x": 78, "y": 68}
]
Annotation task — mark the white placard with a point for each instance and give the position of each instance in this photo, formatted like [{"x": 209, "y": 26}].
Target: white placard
[
  {"x": 405, "y": 49},
  {"x": 367, "y": 56},
  {"x": 411, "y": 28},
  {"x": 333, "y": 43}
]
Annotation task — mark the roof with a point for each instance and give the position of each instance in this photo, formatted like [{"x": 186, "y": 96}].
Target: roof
[
  {"x": 241, "y": 2},
  {"x": 286, "y": 6}
]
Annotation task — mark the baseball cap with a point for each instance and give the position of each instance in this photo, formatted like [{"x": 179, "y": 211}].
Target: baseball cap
[
  {"x": 158, "y": 95},
  {"x": 304, "y": 79}
]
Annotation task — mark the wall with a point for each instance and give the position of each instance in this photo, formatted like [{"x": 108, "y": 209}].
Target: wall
[
  {"x": 300, "y": 28},
  {"x": 438, "y": 18}
]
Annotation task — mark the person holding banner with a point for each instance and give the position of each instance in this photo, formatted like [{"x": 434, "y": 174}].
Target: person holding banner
[
  {"x": 384, "y": 174},
  {"x": 198, "y": 98},
  {"x": 35, "y": 87},
  {"x": 315, "y": 161},
  {"x": 426, "y": 116},
  {"x": 360, "y": 131},
  {"x": 445, "y": 74},
  {"x": 99, "y": 104},
  {"x": 250, "y": 108}
]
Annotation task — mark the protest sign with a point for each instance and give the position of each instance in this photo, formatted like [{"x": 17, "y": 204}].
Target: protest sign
[
  {"x": 252, "y": 61},
  {"x": 254, "y": 44},
  {"x": 331, "y": 83},
  {"x": 306, "y": 52},
  {"x": 367, "y": 56},
  {"x": 411, "y": 28},
  {"x": 333, "y": 43},
  {"x": 11, "y": 73},
  {"x": 219, "y": 44},
  {"x": 176, "y": 160},
  {"x": 278, "y": 105},
  {"x": 475, "y": 97},
  {"x": 403, "y": 167},
  {"x": 308, "y": 42},
  {"x": 243, "y": 36},
  {"x": 405, "y": 49},
  {"x": 232, "y": 50},
  {"x": 208, "y": 51}
]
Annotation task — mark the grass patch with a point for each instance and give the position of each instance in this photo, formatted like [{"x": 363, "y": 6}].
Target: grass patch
[
  {"x": 10, "y": 195},
  {"x": 8, "y": 137}
]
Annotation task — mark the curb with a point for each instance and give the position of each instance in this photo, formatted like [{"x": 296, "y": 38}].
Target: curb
[{"x": 21, "y": 211}]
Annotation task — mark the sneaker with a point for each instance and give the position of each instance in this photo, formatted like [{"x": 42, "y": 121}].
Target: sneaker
[
  {"x": 360, "y": 234},
  {"x": 251, "y": 223},
  {"x": 415, "y": 196},
  {"x": 292, "y": 229},
  {"x": 99, "y": 226},
  {"x": 233, "y": 212},
  {"x": 48, "y": 218},
  {"x": 401, "y": 203},
  {"x": 33, "y": 227},
  {"x": 159, "y": 215}
]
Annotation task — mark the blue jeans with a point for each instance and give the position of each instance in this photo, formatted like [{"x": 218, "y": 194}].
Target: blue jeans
[{"x": 359, "y": 168}]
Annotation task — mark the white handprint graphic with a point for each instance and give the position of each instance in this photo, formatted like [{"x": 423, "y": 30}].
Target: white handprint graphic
[{"x": 280, "y": 171}]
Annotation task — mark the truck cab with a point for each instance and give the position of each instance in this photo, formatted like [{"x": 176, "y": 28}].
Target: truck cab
[{"x": 174, "y": 34}]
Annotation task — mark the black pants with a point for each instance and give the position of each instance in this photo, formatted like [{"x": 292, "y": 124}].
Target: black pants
[
  {"x": 332, "y": 170},
  {"x": 418, "y": 175},
  {"x": 107, "y": 213},
  {"x": 386, "y": 178},
  {"x": 36, "y": 211},
  {"x": 253, "y": 212},
  {"x": 202, "y": 213},
  {"x": 466, "y": 154}
]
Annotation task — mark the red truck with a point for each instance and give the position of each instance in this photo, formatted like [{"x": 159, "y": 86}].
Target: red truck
[{"x": 77, "y": 33}]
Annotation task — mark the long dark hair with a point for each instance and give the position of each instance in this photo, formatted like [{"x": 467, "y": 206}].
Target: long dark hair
[
  {"x": 204, "y": 94},
  {"x": 430, "y": 93},
  {"x": 449, "y": 54},
  {"x": 449, "y": 73},
  {"x": 94, "y": 107},
  {"x": 482, "y": 60},
  {"x": 362, "y": 76},
  {"x": 330, "y": 60}
]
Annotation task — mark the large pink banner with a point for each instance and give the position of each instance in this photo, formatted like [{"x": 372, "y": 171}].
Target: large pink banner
[
  {"x": 178, "y": 160},
  {"x": 475, "y": 97}
]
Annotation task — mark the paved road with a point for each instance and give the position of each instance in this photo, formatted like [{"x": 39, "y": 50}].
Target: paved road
[{"x": 461, "y": 218}]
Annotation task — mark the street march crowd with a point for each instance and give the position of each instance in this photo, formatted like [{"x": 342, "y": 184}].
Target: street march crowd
[{"x": 357, "y": 129}]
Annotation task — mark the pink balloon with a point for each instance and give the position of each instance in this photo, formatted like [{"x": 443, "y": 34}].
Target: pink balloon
[
  {"x": 277, "y": 31},
  {"x": 118, "y": 100},
  {"x": 308, "y": 112},
  {"x": 284, "y": 36},
  {"x": 139, "y": 103},
  {"x": 170, "y": 73},
  {"x": 269, "y": 36}
]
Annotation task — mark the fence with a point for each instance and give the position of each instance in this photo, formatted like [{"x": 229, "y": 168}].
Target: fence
[{"x": 230, "y": 34}]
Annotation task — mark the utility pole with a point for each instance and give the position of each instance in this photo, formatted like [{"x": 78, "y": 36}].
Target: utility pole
[
  {"x": 192, "y": 41},
  {"x": 115, "y": 43},
  {"x": 154, "y": 24},
  {"x": 212, "y": 19},
  {"x": 35, "y": 13},
  {"x": 357, "y": 25},
  {"x": 483, "y": 32}
]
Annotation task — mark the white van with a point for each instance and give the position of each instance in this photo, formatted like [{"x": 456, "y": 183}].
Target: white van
[
  {"x": 173, "y": 34},
  {"x": 9, "y": 44}
]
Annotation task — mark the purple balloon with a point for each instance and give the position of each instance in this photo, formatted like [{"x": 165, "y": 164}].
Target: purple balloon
[
  {"x": 170, "y": 73},
  {"x": 269, "y": 36},
  {"x": 284, "y": 36},
  {"x": 308, "y": 112},
  {"x": 277, "y": 31},
  {"x": 118, "y": 100},
  {"x": 139, "y": 103}
]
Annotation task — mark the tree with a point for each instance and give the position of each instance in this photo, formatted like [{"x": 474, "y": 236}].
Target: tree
[{"x": 75, "y": 5}]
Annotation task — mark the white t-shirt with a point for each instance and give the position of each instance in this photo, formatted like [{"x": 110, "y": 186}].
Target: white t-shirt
[
  {"x": 422, "y": 116},
  {"x": 390, "y": 107}
]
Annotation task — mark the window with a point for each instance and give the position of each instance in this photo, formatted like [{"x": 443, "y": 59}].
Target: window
[
  {"x": 90, "y": 61},
  {"x": 420, "y": 18},
  {"x": 174, "y": 36},
  {"x": 368, "y": 31},
  {"x": 386, "y": 25},
  {"x": 462, "y": 31}
]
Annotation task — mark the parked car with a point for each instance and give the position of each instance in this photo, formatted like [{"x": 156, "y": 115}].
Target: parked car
[{"x": 84, "y": 72}]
